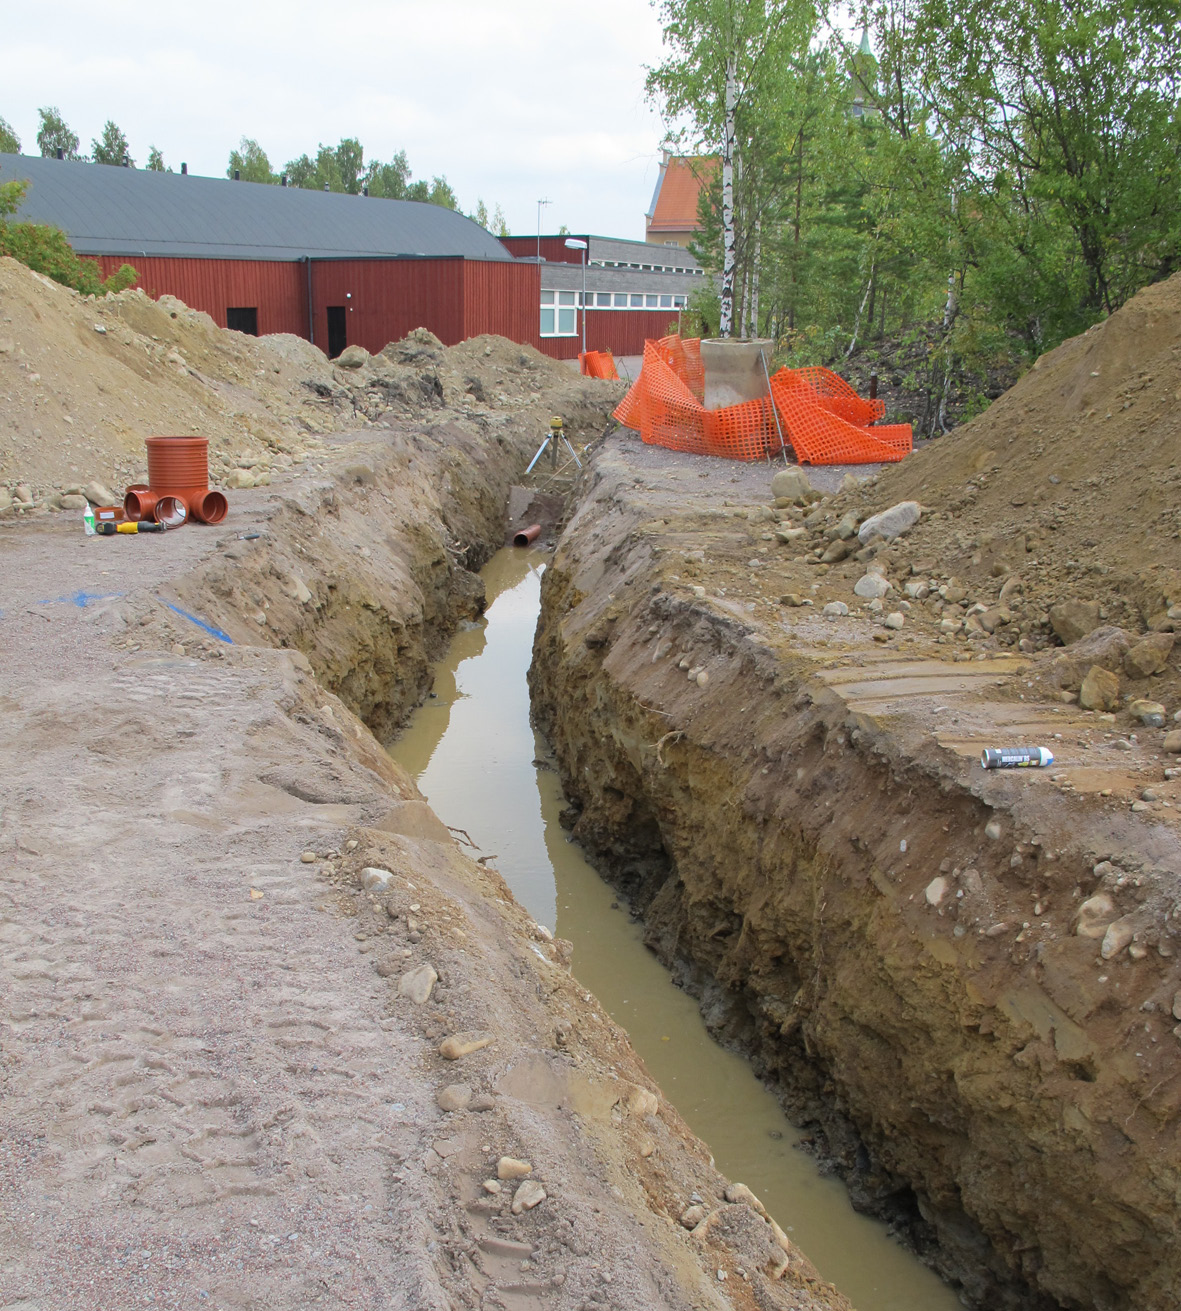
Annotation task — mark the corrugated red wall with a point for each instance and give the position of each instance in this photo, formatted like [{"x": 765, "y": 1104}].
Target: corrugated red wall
[
  {"x": 386, "y": 299},
  {"x": 278, "y": 289},
  {"x": 623, "y": 332},
  {"x": 503, "y": 299},
  {"x": 553, "y": 249}
]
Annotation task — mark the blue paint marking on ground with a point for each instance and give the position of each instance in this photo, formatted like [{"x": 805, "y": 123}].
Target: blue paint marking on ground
[
  {"x": 81, "y": 599},
  {"x": 209, "y": 628}
]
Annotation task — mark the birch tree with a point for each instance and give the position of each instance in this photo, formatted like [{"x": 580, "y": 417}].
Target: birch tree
[{"x": 723, "y": 63}]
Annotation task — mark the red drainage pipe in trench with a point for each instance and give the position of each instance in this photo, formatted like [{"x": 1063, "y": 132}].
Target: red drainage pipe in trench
[{"x": 527, "y": 535}]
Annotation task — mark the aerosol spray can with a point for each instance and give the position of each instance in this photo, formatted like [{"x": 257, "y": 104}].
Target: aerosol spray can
[{"x": 1015, "y": 758}]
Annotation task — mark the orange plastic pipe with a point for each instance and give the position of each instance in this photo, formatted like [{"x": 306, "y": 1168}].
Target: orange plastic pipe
[{"x": 527, "y": 535}]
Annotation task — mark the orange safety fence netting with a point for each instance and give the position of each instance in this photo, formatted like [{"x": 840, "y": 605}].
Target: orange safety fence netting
[
  {"x": 820, "y": 415},
  {"x": 826, "y": 422},
  {"x": 598, "y": 364},
  {"x": 664, "y": 410}
]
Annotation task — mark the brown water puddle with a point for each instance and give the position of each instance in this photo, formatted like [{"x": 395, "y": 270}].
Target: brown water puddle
[{"x": 472, "y": 749}]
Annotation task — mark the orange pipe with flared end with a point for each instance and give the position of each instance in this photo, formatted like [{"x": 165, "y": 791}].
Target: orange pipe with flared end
[
  {"x": 207, "y": 505},
  {"x": 139, "y": 503},
  {"x": 527, "y": 535}
]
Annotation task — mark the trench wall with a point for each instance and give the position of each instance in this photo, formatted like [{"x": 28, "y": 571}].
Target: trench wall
[
  {"x": 369, "y": 570},
  {"x": 979, "y": 1089}
]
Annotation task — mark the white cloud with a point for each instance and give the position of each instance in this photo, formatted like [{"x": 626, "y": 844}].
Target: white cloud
[{"x": 511, "y": 102}]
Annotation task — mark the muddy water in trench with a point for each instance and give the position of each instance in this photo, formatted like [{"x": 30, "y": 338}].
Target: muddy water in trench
[{"x": 471, "y": 748}]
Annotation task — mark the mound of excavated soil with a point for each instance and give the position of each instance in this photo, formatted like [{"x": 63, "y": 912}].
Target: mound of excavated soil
[
  {"x": 1073, "y": 477},
  {"x": 84, "y": 381}
]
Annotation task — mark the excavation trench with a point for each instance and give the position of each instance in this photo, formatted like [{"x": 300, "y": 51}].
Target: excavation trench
[
  {"x": 897, "y": 938},
  {"x": 485, "y": 771}
]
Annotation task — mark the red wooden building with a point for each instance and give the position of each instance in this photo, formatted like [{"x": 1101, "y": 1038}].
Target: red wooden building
[{"x": 352, "y": 270}]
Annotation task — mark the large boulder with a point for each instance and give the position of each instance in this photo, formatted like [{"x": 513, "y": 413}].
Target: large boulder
[
  {"x": 791, "y": 485},
  {"x": 1100, "y": 690},
  {"x": 891, "y": 523},
  {"x": 353, "y": 357},
  {"x": 1149, "y": 656},
  {"x": 1074, "y": 619},
  {"x": 1105, "y": 647}
]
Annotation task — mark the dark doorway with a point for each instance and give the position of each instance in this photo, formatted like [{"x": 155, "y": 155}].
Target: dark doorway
[
  {"x": 338, "y": 337},
  {"x": 243, "y": 320}
]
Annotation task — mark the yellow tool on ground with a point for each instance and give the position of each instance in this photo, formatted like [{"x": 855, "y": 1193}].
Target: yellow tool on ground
[{"x": 132, "y": 526}]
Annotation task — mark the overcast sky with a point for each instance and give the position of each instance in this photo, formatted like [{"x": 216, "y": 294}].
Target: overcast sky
[{"x": 511, "y": 101}]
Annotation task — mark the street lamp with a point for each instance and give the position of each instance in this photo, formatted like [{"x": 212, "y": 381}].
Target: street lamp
[
  {"x": 539, "y": 205},
  {"x": 573, "y": 243}
]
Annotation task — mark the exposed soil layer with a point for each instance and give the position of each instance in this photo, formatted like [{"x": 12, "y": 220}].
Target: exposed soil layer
[
  {"x": 967, "y": 980},
  {"x": 225, "y": 1078}
]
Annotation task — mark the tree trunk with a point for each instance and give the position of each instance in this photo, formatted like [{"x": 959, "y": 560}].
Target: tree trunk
[
  {"x": 795, "y": 252},
  {"x": 726, "y": 322},
  {"x": 754, "y": 280},
  {"x": 861, "y": 310}
]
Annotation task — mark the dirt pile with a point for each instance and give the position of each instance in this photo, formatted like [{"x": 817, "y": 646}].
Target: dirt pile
[
  {"x": 1072, "y": 477},
  {"x": 84, "y": 381}
]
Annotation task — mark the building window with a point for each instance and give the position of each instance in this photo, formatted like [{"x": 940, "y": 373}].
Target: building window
[
  {"x": 652, "y": 302},
  {"x": 621, "y": 300},
  {"x": 604, "y": 299},
  {"x": 679, "y": 302},
  {"x": 559, "y": 314},
  {"x": 666, "y": 302}
]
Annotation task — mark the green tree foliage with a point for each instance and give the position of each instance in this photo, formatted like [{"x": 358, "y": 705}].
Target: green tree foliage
[
  {"x": 342, "y": 168},
  {"x": 10, "y": 143},
  {"x": 724, "y": 75},
  {"x": 988, "y": 175},
  {"x": 251, "y": 162},
  {"x": 46, "y": 250},
  {"x": 54, "y": 134},
  {"x": 156, "y": 161},
  {"x": 1064, "y": 118},
  {"x": 111, "y": 147},
  {"x": 390, "y": 181},
  {"x": 435, "y": 192}
]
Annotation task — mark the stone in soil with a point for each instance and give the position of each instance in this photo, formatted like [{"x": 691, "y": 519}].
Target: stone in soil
[
  {"x": 529, "y": 1195},
  {"x": 1149, "y": 656},
  {"x": 870, "y": 586},
  {"x": 455, "y": 1097},
  {"x": 1074, "y": 619},
  {"x": 1100, "y": 690},
  {"x": 891, "y": 523},
  {"x": 418, "y": 983},
  {"x": 459, "y": 1045},
  {"x": 512, "y": 1167}
]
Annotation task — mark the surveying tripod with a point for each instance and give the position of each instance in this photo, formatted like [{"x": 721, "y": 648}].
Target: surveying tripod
[{"x": 556, "y": 434}]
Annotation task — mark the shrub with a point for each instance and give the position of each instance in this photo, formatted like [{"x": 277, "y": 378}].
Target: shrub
[{"x": 46, "y": 250}]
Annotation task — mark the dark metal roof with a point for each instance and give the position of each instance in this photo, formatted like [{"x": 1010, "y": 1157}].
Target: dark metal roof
[{"x": 106, "y": 210}]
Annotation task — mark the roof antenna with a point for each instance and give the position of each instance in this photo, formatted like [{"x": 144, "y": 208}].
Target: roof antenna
[{"x": 184, "y": 168}]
